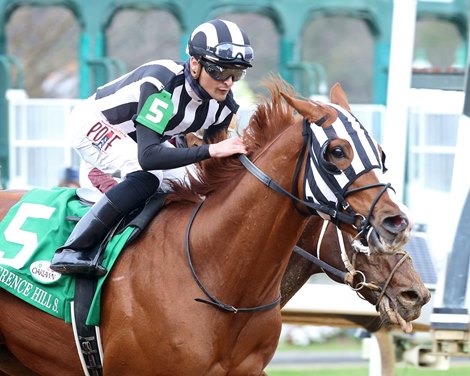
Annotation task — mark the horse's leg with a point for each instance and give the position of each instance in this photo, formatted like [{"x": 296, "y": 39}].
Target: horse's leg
[{"x": 11, "y": 366}]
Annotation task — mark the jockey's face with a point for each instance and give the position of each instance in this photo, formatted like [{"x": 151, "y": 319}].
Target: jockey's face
[{"x": 217, "y": 89}]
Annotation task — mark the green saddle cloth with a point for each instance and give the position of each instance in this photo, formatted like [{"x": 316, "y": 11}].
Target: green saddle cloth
[{"x": 30, "y": 233}]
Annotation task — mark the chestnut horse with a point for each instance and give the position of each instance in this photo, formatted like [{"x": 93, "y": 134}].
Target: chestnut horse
[{"x": 236, "y": 249}]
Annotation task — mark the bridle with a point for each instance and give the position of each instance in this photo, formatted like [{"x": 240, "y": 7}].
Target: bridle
[
  {"x": 351, "y": 272},
  {"x": 339, "y": 212}
]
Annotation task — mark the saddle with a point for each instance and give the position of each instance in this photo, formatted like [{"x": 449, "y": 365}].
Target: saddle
[{"x": 87, "y": 337}]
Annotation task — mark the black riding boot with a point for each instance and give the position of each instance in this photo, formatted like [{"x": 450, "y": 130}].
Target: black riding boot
[{"x": 76, "y": 256}]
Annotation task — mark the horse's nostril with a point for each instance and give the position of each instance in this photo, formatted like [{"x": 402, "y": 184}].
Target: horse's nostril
[{"x": 410, "y": 295}]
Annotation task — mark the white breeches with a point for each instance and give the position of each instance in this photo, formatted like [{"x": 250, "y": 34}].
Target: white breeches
[{"x": 110, "y": 150}]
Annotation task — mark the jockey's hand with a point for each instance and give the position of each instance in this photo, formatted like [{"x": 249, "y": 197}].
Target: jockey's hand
[{"x": 228, "y": 147}]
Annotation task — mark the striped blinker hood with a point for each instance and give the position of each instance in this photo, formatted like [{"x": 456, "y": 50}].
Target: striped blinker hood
[{"x": 327, "y": 185}]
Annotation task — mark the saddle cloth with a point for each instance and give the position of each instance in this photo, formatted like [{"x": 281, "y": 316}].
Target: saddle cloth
[{"x": 29, "y": 235}]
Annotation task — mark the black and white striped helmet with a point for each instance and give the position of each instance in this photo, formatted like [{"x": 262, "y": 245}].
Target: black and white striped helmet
[{"x": 221, "y": 41}]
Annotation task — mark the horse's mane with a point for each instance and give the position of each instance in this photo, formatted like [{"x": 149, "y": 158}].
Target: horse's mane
[{"x": 271, "y": 117}]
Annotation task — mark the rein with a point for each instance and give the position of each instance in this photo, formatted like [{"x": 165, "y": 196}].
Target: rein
[
  {"x": 213, "y": 300},
  {"x": 322, "y": 264}
]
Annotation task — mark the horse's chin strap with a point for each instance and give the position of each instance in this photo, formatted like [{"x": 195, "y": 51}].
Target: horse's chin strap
[{"x": 213, "y": 300}]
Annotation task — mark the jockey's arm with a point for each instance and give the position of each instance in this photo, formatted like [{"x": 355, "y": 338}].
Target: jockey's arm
[{"x": 153, "y": 155}]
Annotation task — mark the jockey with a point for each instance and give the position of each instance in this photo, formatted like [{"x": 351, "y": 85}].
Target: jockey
[{"x": 125, "y": 126}]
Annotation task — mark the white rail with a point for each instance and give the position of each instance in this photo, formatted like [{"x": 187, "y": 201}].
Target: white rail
[{"x": 39, "y": 147}]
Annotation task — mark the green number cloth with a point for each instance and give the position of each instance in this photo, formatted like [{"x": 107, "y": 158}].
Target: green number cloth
[{"x": 30, "y": 233}]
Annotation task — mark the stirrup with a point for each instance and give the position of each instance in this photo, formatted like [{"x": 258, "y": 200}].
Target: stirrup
[
  {"x": 79, "y": 269},
  {"x": 71, "y": 262}
]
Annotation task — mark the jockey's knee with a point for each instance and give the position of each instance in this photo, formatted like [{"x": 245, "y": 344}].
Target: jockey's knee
[{"x": 134, "y": 190}]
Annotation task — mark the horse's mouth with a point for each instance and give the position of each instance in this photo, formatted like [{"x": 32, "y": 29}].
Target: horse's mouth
[
  {"x": 379, "y": 244},
  {"x": 388, "y": 311}
]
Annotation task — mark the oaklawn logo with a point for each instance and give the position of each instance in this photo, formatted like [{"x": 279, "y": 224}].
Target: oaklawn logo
[{"x": 42, "y": 273}]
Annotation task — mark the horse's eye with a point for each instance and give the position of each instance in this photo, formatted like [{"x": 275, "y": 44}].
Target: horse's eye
[{"x": 337, "y": 152}]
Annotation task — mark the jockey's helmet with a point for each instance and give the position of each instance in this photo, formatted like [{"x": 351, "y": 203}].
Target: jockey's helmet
[{"x": 222, "y": 42}]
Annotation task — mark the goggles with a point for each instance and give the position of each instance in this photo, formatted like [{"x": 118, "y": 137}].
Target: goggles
[
  {"x": 230, "y": 51},
  {"x": 220, "y": 73}
]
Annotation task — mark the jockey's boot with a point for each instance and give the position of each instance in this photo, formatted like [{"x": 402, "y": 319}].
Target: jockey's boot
[{"x": 78, "y": 255}]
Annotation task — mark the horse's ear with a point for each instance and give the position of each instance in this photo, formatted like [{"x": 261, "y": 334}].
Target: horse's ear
[
  {"x": 338, "y": 96},
  {"x": 307, "y": 109}
]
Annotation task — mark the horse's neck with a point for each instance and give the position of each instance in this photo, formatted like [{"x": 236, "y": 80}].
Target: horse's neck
[
  {"x": 253, "y": 226},
  {"x": 319, "y": 242},
  {"x": 298, "y": 272}
]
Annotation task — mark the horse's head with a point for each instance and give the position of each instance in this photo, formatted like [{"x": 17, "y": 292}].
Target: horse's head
[
  {"x": 344, "y": 174},
  {"x": 387, "y": 280},
  {"x": 394, "y": 286}
]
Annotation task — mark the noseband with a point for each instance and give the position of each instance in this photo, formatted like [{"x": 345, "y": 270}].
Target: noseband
[{"x": 352, "y": 271}]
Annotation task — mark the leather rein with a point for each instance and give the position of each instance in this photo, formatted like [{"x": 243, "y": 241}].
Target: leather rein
[{"x": 212, "y": 300}]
